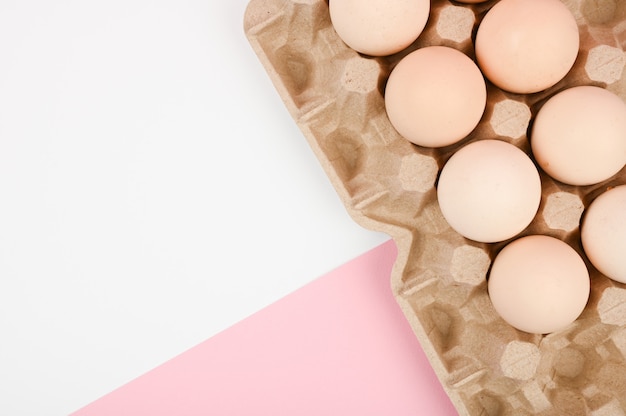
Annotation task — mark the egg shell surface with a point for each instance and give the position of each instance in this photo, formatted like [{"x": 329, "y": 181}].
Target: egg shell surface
[
  {"x": 435, "y": 96},
  {"x": 526, "y": 46},
  {"x": 579, "y": 135},
  {"x": 539, "y": 284},
  {"x": 603, "y": 233},
  {"x": 489, "y": 191},
  {"x": 379, "y": 27}
]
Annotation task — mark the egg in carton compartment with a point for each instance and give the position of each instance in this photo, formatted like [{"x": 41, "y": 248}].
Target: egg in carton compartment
[{"x": 387, "y": 184}]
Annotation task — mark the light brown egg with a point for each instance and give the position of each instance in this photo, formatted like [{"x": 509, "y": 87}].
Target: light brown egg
[
  {"x": 539, "y": 284},
  {"x": 526, "y": 46},
  {"x": 489, "y": 191},
  {"x": 603, "y": 233},
  {"x": 579, "y": 135},
  {"x": 435, "y": 96},
  {"x": 379, "y": 27}
]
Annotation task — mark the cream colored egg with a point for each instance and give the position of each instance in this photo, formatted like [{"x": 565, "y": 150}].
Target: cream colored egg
[
  {"x": 539, "y": 284},
  {"x": 526, "y": 46},
  {"x": 579, "y": 135},
  {"x": 489, "y": 191},
  {"x": 603, "y": 233},
  {"x": 379, "y": 27},
  {"x": 435, "y": 96}
]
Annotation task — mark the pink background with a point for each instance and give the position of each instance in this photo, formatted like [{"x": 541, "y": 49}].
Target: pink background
[{"x": 338, "y": 346}]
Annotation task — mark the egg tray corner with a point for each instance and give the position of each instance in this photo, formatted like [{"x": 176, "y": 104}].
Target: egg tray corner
[{"x": 335, "y": 95}]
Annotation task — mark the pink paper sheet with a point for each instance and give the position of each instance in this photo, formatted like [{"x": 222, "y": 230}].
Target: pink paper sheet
[{"x": 338, "y": 346}]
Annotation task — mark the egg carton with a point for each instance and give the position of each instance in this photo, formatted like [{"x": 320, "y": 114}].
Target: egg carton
[{"x": 335, "y": 95}]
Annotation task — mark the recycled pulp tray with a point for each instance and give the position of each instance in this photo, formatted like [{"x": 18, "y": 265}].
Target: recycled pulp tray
[{"x": 387, "y": 184}]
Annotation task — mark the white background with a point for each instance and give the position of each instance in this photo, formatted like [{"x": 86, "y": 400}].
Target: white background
[{"x": 153, "y": 192}]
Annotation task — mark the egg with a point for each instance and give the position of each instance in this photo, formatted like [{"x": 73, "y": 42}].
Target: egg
[
  {"x": 377, "y": 27},
  {"x": 489, "y": 191},
  {"x": 579, "y": 135},
  {"x": 435, "y": 96},
  {"x": 539, "y": 284},
  {"x": 603, "y": 233},
  {"x": 526, "y": 46}
]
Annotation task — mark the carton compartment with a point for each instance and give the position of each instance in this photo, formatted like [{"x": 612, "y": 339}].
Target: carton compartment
[{"x": 335, "y": 95}]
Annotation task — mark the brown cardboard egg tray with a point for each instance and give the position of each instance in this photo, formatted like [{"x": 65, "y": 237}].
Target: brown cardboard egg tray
[{"x": 387, "y": 184}]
